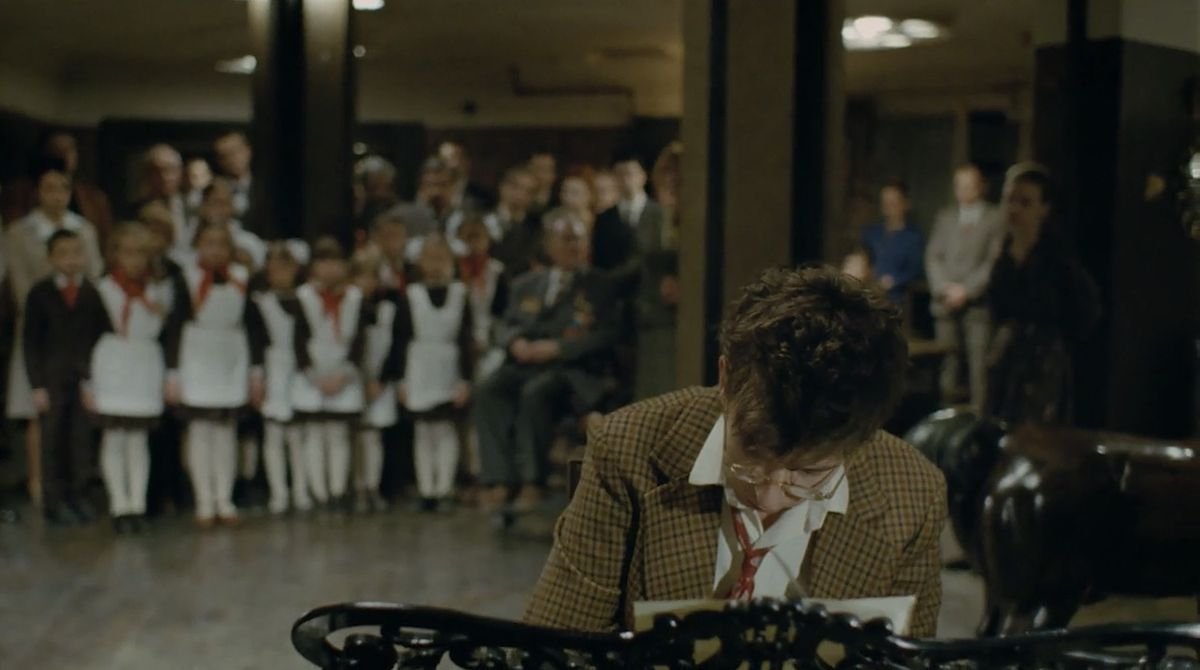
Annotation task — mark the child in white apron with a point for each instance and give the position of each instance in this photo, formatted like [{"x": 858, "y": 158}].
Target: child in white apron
[
  {"x": 382, "y": 411},
  {"x": 283, "y": 439},
  {"x": 216, "y": 370},
  {"x": 437, "y": 339},
  {"x": 328, "y": 393},
  {"x": 127, "y": 372}
]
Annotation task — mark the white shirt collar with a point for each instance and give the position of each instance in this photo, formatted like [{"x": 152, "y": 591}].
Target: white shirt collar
[
  {"x": 970, "y": 214},
  {"x": 633, "y": 207},
  {"x": 61, "y": 280}
]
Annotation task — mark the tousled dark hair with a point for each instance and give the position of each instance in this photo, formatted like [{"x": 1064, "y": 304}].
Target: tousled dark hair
[
  {"x": 814, "y": 362},
  {"x": 59, "y": 236}
]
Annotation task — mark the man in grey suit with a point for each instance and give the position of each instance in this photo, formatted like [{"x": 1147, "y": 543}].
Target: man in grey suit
[
  {"x": 559, "y": 330},
  {"x": 967, "y": 239}
]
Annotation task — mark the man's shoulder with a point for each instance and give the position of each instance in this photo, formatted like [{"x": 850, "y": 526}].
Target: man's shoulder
[
  {"x": 527, "y": 281},
  {"x": 665, "y": 430},
  {"x": 901, "y": 471}
]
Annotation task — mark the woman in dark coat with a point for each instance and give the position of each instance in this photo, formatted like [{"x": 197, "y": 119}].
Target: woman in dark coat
[{"x": 1043, "y": 303}]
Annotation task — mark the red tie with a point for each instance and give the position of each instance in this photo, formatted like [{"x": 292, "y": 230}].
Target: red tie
[
  {"x": 743, "y": 588},
  {"x": 70, "y": 292},
  {"x": 331, "y": 305}
]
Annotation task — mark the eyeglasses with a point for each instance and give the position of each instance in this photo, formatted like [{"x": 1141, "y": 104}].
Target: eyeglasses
[{"x": 754, "y": 476}]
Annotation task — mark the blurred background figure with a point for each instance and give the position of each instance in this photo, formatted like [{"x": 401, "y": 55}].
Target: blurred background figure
[
  {"x": 544, "y": 168},
  {"x": 895, "y": 243},
  {"x": 197, "y": 175},
  {"x": 966, "y": 241},
  {"x": 465, "y": 192},
  {"x": 605, "y": 193},
  {"x": 233, "y": 154},
  {"x": 1043, "y": 302},
  {"x": 87, "y": 200},
  {"x": 374, "y": 190}
]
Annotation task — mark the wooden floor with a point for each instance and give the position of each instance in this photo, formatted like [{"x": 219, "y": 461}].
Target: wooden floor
[{"x": 178, "y": 598}]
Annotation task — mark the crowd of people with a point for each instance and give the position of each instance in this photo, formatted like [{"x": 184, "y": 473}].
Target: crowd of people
[
  {"x": 178, "y": 353},
  {"x": 1008, "y": 296}
]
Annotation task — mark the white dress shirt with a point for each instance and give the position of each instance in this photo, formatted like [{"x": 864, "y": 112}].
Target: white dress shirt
[
  {"x": 631, "y": 210},
  {"x": 559, "y": 281},
  {"x": 969, "y": 215},
  {"x": 789, "y": 535}
]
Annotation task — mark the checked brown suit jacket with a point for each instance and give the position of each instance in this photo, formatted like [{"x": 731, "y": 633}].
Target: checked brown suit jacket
[{"x": 637, "y": 530}]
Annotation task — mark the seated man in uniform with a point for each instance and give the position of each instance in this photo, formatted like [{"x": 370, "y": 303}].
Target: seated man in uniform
[
  {"x": 559, "y": 330},
  {"x": 778, "y": 483}
]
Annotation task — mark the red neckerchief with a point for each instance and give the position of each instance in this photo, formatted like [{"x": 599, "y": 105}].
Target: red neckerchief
[
  {"x": 743, "y": 588},
  {"x": 211, "y": 276},
  {"x": 134, "y": 290},
  {"x": 473, "y": 269},
  {"x": 331, "y": 306}
]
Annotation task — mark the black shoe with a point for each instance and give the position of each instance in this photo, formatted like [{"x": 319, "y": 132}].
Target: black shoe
[
  {"x": 140, "y": 523},
  {"x": 61, "y": 515},
  {"x": 429, "y": 504},
  {"x": 362, "y": 505},
  {"x": 121, "y": 525},
  {"x": 83, "y": 511}
]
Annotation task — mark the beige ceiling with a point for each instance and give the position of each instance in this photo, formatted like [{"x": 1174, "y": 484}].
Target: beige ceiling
[{"x": 553, "y": 43}]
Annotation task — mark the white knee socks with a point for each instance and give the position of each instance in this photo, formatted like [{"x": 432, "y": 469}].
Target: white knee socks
[
  {"x": 327, "y": 456},
  {"x": 212, "y": 462},
  {"x": 125, "y": 466},
  {"x": 435, "y": 457}
]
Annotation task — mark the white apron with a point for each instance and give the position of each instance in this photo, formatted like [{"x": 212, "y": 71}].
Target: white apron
[
  {"x": 127, "y": 364},
  {"x": 329, "y": 352},
  {"x": 214, "y": 355},
  {"x": 280, "y": 358},
  {"x": 383, "y": 411},
  {"x": 431, "y": 370}
]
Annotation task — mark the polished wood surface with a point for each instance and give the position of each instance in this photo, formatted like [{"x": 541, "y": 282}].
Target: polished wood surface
[{"x": 179, "y": 598}]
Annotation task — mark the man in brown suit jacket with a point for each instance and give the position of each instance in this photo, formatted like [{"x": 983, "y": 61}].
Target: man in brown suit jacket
[{"x": 812, "y": 363}]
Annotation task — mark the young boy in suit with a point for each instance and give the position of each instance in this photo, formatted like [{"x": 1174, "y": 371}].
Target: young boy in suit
[{"x": 64, "y": 317}]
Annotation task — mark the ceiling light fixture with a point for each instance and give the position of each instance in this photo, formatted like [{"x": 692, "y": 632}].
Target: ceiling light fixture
[
  {"x": 360, "y": 51},
  {"x": 871, "y": 33},
  {"x": 242, "y": 65},
  {"x": 368, "y": 5}
]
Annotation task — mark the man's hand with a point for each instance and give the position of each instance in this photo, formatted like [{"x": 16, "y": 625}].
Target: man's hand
[
  {"x": 887, "y": 282},
  {"x": 258, "y": 391},
  {"x": 172, "y": 391},
  {"x": 520, "y": 350},
  {"x": 668, "y": 289},
  {"x": 462, "y": 394},
  {"x": 402, "y": 394},
  {"x": 955, "y": 296},
  {"x": 332, "y": 384},
  {"x": 88, "y": 397},
  {"x": 374, "y": 390},
  {"x": 544, "y": 351},
  {"x": 41, "y": 400}
]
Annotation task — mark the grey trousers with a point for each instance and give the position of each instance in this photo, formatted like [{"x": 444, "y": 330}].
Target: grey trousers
[
  {"x": 514, "y": 414},
  {"x": 968, "y": 332}
]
